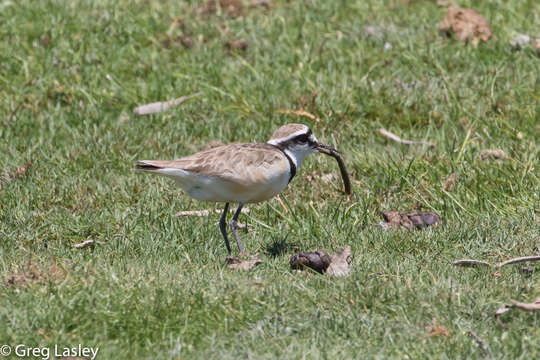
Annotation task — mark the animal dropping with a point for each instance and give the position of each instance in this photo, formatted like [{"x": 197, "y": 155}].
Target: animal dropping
[
  {"x": 316, "y": 260},
  {"x": 336, "y": 264},
  {"x": 244, "y": 173}
]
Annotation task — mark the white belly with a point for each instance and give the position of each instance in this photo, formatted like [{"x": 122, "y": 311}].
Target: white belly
[{"x": 215, "y": 189}]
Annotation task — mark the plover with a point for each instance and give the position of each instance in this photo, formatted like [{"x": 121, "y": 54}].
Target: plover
[{"x": 241, "y": 173}]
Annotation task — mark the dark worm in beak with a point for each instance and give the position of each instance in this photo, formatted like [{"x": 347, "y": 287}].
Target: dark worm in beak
[
  {"x": 330, "y": 151},
  {"x": 326, "y": 147}
]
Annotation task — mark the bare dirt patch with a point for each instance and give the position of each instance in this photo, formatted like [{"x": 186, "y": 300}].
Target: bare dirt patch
[
  {"x": 32, "y": 273},
  {"x": 437, "y": 330},
  {"x": 236, "y": 263},
  {"x": 231, "y": 8},
  {"x": 398, "y": 220},
  {"x": 20, "y": 172}
]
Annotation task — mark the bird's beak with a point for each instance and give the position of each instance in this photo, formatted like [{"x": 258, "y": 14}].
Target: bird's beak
[{"x": 322, "y": 148}]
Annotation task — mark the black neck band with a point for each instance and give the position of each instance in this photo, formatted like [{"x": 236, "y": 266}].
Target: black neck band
[{"x": 292, "y": 166}]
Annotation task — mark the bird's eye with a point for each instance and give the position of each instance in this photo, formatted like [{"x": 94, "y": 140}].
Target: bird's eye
[{"x": 302, "y": 138}]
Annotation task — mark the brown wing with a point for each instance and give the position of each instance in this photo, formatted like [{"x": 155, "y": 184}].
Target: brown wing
[{"x": 229, "y": 162}]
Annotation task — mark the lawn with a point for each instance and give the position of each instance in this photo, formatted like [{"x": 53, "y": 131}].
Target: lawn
[{"x": 156, "y": 286}]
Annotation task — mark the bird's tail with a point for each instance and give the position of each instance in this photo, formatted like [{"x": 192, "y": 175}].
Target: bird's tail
[
  {"x": 147, "y": 165},
  {"x": 164, "y": 168}
]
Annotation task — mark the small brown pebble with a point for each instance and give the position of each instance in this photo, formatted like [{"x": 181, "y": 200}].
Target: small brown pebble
[
  {"x": 187, "y": 41},
  {"x": 422, "y": 220},
  {"x": 493, "y": 154},
  {"x": 467, "y": 25},
  {"x": 241, "y": 44},
  {"x": 45, "y": 40}
]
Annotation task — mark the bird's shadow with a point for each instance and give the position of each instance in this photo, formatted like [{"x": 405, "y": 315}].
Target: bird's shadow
[{"x": 280, "y": 247}]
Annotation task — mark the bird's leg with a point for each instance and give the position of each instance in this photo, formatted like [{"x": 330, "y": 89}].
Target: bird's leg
[
  {"x": 233, "y": 227},
  {"x": 223, "y": 227}
]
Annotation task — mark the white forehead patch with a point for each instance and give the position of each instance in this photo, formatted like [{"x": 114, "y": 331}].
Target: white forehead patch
[{"x": 290, "y": 136}]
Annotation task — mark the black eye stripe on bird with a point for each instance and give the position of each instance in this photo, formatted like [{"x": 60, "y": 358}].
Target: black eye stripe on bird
[{"x": 241, "y": 173}]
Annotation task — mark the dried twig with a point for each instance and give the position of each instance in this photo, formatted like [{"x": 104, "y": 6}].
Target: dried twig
[
  {"x": 479, "y": 341},
  {"x": 534, "y": 306},
  {"x": 396, "y": 138},
  {"x": 518, "y": 260},
  {"x": 161, "y": 106},
  {"x": 280, "y": 201},
  {"x": 84, "y": 244},
  {"x": 193, "y": 213},
  {"x": 203, "y": 212},
  {"x": 299, "y": 113},
  {"x": 473, "y": 262}
]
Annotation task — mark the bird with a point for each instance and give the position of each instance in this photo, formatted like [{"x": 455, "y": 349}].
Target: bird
[{"x": 241, "y": 172}]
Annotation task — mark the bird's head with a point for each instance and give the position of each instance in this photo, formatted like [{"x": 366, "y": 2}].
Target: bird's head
[{"x": 298, "y": 141}]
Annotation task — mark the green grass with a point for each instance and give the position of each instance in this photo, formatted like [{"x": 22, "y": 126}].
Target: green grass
[{"x": 156, "y": 286}]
